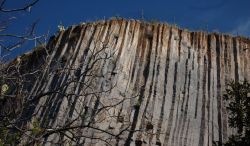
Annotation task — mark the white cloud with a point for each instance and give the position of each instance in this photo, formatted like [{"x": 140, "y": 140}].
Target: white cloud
[{"x": 242, "y": 29}]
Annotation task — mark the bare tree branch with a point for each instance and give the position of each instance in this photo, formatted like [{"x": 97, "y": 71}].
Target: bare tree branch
[{"x": 23, "y": 8}]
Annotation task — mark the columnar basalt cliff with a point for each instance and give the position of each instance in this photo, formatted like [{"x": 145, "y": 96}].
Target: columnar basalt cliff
[{"x": 173, "y": 81}]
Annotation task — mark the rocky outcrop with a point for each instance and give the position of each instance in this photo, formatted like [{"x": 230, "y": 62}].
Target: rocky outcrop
[{"x": 177, "y": 77}]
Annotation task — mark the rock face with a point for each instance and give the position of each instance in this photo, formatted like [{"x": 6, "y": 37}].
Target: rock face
[{"x": 174, "y": 81}]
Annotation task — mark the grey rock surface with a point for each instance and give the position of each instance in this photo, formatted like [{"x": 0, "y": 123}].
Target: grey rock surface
[{"x": 179, "y": 77}]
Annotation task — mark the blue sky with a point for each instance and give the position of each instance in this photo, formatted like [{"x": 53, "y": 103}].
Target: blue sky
[{"x": 228, "y": 16}]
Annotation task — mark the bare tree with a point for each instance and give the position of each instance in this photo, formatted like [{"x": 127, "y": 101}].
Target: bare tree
[
  {"x": 10, "y": 41},
  {"x": 43, "y": 81},
  {"x": 47, "y": 98}
]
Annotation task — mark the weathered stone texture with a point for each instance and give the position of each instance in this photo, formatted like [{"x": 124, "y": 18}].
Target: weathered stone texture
[{"x": 179, "y": 76}]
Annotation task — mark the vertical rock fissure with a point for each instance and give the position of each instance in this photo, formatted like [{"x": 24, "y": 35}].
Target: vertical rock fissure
[
  {"x": 203, "y": 110},
  {"x": 208, "y": 83},
  {"x": 141, "y": 32},
  {"x": 236, "y": 74},
  {"x": 165, "y": 87},
  {"x": 185, "y": 112},
  {"x": 179, "y": 44},
  {"x": 157, "y": 77},
  {"x": 170, "y": 118},
  {"x": 219, "y": 102},
  {"x": 187, "y": 134},
  {"x": 152, "y": 79},
  {"x": 198, "y": 76},
  {"x": 182, "y": 96},
  {"x": 142, "y": 90},
  {"x": 44, "y": 80}
]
